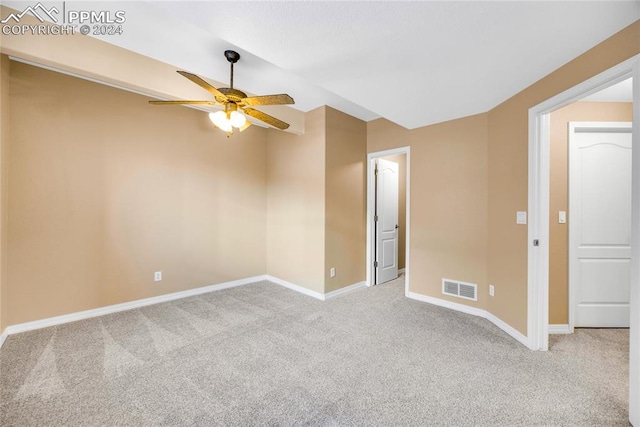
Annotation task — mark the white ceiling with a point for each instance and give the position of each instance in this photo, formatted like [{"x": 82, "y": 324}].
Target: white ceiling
[{"x": 415, "y": 63}]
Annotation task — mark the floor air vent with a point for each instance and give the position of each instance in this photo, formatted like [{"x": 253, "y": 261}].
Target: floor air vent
[{"x": 460, "y": 289}]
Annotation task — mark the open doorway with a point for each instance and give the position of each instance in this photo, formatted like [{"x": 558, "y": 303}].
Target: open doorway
[
  {"x": 590, "y": 211},
  {"x": 388, "y": 226},
  {"x": 590, "y": 230},
  {"x": 538, "y": 231}
]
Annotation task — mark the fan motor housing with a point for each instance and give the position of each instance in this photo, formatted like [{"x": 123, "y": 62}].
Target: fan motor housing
[{"x": 234, "y": 95}]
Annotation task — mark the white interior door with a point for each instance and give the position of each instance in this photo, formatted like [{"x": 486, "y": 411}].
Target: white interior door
[
  {"x": 599, "y": 223},
  {"x": 386, "y": 221}
]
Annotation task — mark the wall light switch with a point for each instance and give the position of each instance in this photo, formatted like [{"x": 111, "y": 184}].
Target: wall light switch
[
  {"x": 491, "y": 290},
  {"x": 521, "y": 217},
  {"x": 562, "y": 217},
  {"x": 332, "y": 272}
]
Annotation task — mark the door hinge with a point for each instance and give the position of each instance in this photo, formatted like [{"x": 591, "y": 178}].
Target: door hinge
[
  {"x": 376, "y": 171},
  {"x": 536, "y": 242},
  {"x": 375, "y": 218},
  {"x": 375, "y": 264}
]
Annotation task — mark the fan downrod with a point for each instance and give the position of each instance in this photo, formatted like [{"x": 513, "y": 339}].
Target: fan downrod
[{"x": 233, "y": 57}]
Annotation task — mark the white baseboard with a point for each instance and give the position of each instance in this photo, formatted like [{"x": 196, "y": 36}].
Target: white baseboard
[
  {"x": 314, "y": 294},
  {"x": 81, "y": 315},
  {"x": 344, "y": 290},
  {"x": 3, "y": 337},
  {"x": 559, "y": 329},
  {"x": 294, "y": 287},
  {"x": 518, "y": 336},
  {"x": 448, "y": 304}
]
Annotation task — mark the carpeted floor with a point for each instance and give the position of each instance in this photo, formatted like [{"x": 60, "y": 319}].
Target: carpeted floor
[{"x": 265, "y": 355}]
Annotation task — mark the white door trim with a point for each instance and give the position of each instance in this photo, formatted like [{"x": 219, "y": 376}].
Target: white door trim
[
  {"x": 538, "y": 256},
  {"x": 573, "y": 202},
  {"x": 634, "y": 299},
  {"x": 371, "y": 207}
]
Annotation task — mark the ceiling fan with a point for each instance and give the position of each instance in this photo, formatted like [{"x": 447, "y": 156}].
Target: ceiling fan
[{"x": 234, "y": 102}]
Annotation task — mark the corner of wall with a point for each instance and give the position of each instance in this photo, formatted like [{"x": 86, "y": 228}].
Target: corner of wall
[
  {"x": 296, "y": 204},
  {"x": 4, "y": 125},
  {"x": 345, "y": 200}
]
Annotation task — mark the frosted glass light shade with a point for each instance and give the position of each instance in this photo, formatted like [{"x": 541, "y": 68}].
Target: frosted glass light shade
[
  {"x": 237, "y": 119},
  {"x": 219, "y": 118}
]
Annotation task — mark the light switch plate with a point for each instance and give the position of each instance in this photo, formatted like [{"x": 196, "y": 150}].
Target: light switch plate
[
  {"x": 562, "y": 217},
  {"x": 521, "y": 217}
]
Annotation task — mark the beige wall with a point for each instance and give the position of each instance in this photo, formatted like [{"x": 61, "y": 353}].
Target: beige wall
[
  {"x": 558, "y": 233},
  {"x": 345, "y": 206},
  {"x": 296, "y": 204},
  {"x": 469, "y": 177},
  {"x": 508, "y": 176},
  {"x": 4, "y": 170},
  {"x": 448, "y": 201},
  {"x": 401, "y": 160},
  {"x": 105, "y": 189},
  {"x": 316, "y": 202}
]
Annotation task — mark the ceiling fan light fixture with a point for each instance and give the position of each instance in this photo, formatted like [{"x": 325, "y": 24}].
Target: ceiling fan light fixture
[
  {"x": 220, "y": 120},
  {"x": 237, "y": 119},
  {"x": 236, "y": 104},
  {"x": 228, "y": 120},
  {"x": 217, "y": 117}
]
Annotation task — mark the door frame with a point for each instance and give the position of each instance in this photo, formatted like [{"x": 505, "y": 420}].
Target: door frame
[
  {"x": 572, "y": 230},
  {"x": 538, "y": 229},
  {"x": 370, "y": 257}
]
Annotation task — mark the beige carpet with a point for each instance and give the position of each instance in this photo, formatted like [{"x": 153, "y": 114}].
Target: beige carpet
[{"x": 265, "y": 355}]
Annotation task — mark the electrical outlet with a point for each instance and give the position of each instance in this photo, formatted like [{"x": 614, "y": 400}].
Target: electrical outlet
[
  {"x": 491, "y": 290},
  {"x": 332, "y": 272},
  {"x": 157, "y": 276}
]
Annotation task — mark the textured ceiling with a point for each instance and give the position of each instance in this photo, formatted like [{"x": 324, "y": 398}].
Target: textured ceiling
[{"x": 414, "y": 63}]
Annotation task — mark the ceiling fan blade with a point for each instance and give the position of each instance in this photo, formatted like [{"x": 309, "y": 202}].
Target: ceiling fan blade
[
  {"x": 266, "y": 118},
  {"x": 204, "y": 84},
  {"x": 281, "y": 99},
  {"x": 183, "y": 102}
]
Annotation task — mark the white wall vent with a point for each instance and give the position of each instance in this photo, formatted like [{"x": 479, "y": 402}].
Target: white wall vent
[{"x": 455, "y": 288}]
